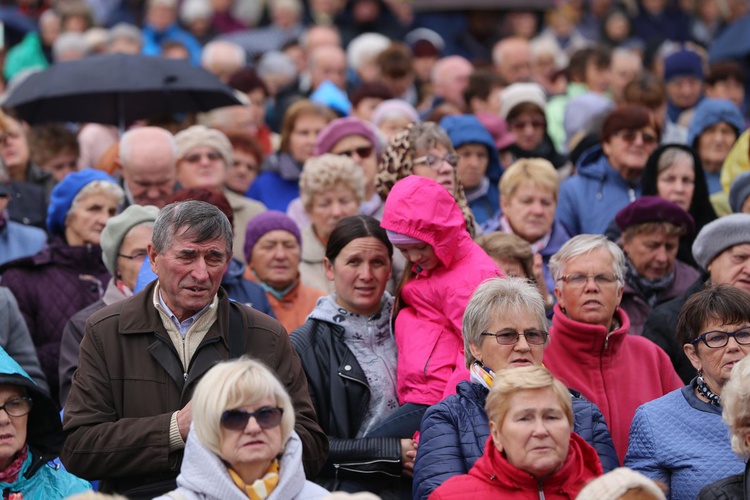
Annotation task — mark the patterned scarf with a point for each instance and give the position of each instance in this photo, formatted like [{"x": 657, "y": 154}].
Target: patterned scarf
[
  {"x": 703, "y": 389},
  {"x": 480, "y": 374},
  {"x": 648, "y": 289},
  {"x": 537, "y": 246},
  {"x": 261, "y": 488},
  {"x": 10, "y": 474},
  {"x": 396, "y": 163}
]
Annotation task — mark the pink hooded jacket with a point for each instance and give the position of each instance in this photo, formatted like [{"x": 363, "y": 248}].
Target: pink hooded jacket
[{"x": 428, "y": 327}]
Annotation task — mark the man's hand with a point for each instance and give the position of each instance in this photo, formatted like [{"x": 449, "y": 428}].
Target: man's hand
[
  {"x": 408, "y": 454},
  {"x": 184, "y": 419}
]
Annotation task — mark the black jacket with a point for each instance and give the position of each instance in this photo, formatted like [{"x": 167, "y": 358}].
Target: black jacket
[
  {"x": 340, "y": 394},
  {"x": 661, "y": 328},
  {"x": 735, "y": 487}
]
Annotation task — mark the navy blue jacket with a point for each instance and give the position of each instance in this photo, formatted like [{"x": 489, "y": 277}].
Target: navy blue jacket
[
  {"x": 454, "y": 432},
  {"x": 243, "y": 290}
]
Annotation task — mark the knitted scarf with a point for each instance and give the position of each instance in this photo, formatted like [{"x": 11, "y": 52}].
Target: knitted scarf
[
  {"x": 261, "y": 488},
  {"x": 648, "y": 289},
  {"x": 10, "y": 473}
]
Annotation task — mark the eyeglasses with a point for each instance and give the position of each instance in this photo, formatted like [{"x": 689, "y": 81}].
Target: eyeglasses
[
  {"x": 267, "y": 417},
  {"x": 138, "y": 255},
  {"x": 362, "y": 152},
  {"x": 17, "y": 407},
  {"x": 579, "y": 280},
  {"x": 435, "y": 161},
  {"x": 522, "y": 124},
  {"x": 533, "y": 337},
  {"x": 630, "y": 136},
  {"x": 716, "y": 339},
  {"x": 196, "y": 157}
]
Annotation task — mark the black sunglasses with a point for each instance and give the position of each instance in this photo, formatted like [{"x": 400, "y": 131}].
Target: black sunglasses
[
  {"x": 362, "y": 152},
  {"x": 267, "y": 417}
]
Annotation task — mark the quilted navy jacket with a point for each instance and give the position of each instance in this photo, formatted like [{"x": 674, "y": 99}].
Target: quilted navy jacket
[{"x": 454, "y": 432}]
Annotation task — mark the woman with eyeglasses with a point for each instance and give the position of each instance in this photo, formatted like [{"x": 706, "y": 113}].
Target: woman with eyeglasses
[
  {"x": 504, "y": 327},
  {"x": 31, "y": 436},
  {"x": 348, "y": 353},
  {"x": 592, "y": 350},
  {"x": 680, "y": 439},
  {"x": 608, "y": 175},
  {"x": 424, "y": 149},
  {"x": 242, "y": 442},
  {"x": 523, "y": 106}
]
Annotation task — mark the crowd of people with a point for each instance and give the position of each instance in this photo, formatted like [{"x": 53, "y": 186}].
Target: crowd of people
[{"x": 427, "y": 255}]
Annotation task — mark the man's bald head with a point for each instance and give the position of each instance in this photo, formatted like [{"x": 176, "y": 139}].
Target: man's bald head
[
  {"x": 148, "y": 157},
  {"x": 223, "y": 58},
  {"x": 328, "y": 63},
  {"x": 450, "y": 76},
  {"x": 320, "y": 36},
  {"x": 512, "y": 59}
]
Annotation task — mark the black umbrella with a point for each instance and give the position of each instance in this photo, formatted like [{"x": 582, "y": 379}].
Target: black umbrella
[{"x": 117, "y": 89}]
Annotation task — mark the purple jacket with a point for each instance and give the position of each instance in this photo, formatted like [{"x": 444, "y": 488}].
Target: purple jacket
[
  {"x": 637, "y": 308},
  {"x": 50, "y": 287}
]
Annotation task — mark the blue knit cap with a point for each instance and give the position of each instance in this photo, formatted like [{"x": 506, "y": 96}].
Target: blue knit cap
[
  {"x": 65, "y": 192},
  {"x": 683, "y": 63},
  {"x": 712, "y": 111}
]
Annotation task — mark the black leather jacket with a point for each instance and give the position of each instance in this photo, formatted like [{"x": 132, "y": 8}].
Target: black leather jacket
[
  {"x": 341, "y": 395},
  {"x": 735, "y": 487}
]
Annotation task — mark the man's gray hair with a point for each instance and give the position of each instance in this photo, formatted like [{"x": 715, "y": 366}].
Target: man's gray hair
[
  {"x": 201, "y": 221},
  {"x": 274, "y": 62},
  {"x": 364, "y": 47},
  {"x": 69, "y": 42},
  {"x": 212, "y": 49},
  {"x": 126, "y": 31},
  {"x": 584, "y": 244},
  {"x": 499, "y": 298}
]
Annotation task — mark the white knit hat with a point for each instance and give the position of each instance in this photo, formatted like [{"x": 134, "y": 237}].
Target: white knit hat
[
  {"x": 519, "y": 93},
  {"x": 616, "y": 483}
]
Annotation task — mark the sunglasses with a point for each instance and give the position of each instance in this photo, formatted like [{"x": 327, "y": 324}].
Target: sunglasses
[
  {"x": 196, "y": 157},
  {"x": 362, "y": 152},
  {"x": 629, "y": 136},
  {"x": 267, "y": 417}
]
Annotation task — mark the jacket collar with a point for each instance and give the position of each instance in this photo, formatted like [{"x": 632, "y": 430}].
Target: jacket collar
[{"x": 583, "y": 337}]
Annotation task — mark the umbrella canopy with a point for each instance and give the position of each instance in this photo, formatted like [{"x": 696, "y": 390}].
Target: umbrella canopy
[
  {"x": 733, "y": 42},
  {"x": 116, "y": 89}
]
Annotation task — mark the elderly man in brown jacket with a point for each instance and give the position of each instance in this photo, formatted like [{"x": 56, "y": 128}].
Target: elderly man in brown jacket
[{"x": 129, "y": 410}]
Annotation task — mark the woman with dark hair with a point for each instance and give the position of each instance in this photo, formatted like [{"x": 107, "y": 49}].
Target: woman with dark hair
[
  {"x": 608, "y": 176},
  {"x": 680, "y": 439},
  {"x": 674, "y": 172},
  {"x": 349, "y": 356},
  {"x": 278, "y": 183}
]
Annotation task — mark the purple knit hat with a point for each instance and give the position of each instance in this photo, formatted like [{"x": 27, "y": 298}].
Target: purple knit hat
[
  {"x": 340, "y": 128},
  {"x": 265, "y": 222}
]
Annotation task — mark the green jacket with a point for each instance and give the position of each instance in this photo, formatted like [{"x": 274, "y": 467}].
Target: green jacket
[
  {"x": 555, "y": 113},
  {"x": 26, "y": 55}
]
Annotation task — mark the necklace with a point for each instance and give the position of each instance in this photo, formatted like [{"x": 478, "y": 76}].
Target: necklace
[{"x": 704, "y": 391}]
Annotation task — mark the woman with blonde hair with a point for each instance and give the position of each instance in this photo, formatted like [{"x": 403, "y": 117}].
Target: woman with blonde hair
[
  {"x": 532, "y": 451},
  {"x": 331, "y": 188},
  {"x": 278, "y": 183},
  {"x": 242, "y": 442},
  {"x": 528, "y": 198}
]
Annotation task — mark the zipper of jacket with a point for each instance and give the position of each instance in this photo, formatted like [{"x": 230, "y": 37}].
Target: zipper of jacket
[{"x": 541, "y": 491}]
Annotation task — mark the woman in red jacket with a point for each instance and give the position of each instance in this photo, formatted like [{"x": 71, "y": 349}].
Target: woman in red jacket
[{"x": 532, "y": 451}]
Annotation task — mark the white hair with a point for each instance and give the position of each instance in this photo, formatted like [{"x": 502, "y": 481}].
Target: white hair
[
  {"x": 584, "y": 244},
  {"x": 127, "y": 31},
  {"x": 69, "y": 42},
  {"x": 543, "y": 46},
  {"x": 276, "y": 63},
  {"x": 192, "y": 10},
  {"x": 365, "y": 46},
  {"x": 215, "y": 48}
]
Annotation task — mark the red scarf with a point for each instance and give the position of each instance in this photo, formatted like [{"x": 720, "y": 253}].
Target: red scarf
[{"x": 10, "y": 473}]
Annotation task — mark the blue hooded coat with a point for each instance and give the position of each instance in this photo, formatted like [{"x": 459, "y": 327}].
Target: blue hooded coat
[
  {"x": 589, "y": 200},
  {"x": 484, "y": 200},
  {"x": 44, "y": 436}
]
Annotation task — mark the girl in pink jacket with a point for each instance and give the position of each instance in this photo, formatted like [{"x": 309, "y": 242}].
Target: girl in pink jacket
[{"x": 424, "y": 222}]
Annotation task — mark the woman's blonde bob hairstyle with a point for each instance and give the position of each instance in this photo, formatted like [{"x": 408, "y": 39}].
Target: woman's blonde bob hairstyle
[
  {"x": 536, "y": 171},
  {"x": 526, "y": 378},
  {"x": 325, "y": 172},
  {"x": 233, "y": 384},
  {"x": 735, "y": 402}
]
